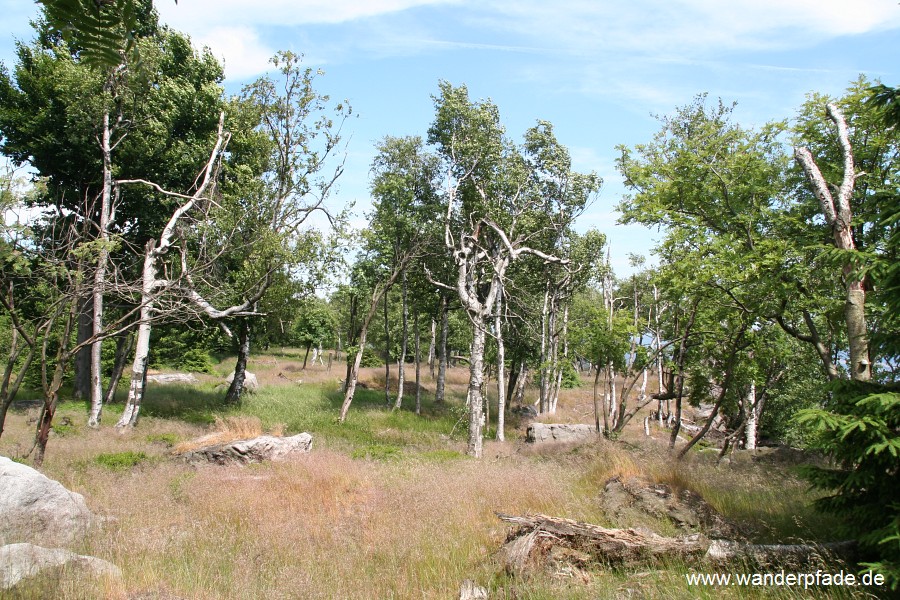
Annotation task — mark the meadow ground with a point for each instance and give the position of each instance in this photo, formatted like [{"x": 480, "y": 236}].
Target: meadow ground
[{"x": 385, "y": 506}]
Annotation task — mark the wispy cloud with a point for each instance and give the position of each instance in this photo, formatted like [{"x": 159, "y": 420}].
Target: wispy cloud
[{"x": 281, "y": 12}]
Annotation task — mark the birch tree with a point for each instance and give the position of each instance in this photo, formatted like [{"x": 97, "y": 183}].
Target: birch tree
[{"x": 494, "y": 209}]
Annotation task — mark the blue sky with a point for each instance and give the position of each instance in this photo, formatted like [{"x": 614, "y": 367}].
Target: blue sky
[{"x": 597, "y": 70}]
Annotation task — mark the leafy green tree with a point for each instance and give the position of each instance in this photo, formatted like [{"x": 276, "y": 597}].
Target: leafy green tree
[{"x": 497, "y": 211}]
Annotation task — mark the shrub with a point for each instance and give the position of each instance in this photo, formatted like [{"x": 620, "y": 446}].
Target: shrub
[
  {"x": 120, "y": 461},
  {"x": 196, "y": 360},
  {"x": 169, "y": 439},
  {"x": 570, "y": 377},
  {"x": 860, "y": 429}
]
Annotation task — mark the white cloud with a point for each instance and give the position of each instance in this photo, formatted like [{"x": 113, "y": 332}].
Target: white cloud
[
  {"x": 189, "y": 13},
  {"x": 240, "y": 49},
  {"x": 687, "y": 27}
]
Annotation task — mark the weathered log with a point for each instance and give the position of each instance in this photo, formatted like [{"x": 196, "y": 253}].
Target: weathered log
[
  {"x": 796, "y": 555},
  {"x": 539, "y": 535}
]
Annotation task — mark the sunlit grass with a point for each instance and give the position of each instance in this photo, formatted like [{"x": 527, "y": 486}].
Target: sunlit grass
[{"x": 386, "y": 506}]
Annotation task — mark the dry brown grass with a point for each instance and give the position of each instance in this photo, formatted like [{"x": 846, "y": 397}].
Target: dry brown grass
[
  {"x": 229, "y": 429},
  {"x": 330, "y": 526}
]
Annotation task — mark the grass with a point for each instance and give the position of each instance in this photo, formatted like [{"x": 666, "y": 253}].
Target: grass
[{"x": 386, "y": 505}]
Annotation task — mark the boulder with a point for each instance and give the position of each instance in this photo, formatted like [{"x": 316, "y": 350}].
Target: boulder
[
  {"x": 35, "y": 508},
  {"x": 251, "y": 384},
  {"x": 554, "y": 432},
  {"x": 19, "y": 562},
  {"x": 264, "y": 447},
  {"x": 165, "y": 378}
]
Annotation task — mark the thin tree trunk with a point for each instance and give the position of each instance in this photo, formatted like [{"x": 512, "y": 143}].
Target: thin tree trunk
[
  {"x": 124, "y": 346},
  {"x": 476, "y": 378},
  {"x": 100, "y": 278},
  {"x": 520, "y": 384},
  {"x": 404, "y": 343},
  {"x": 236, "y": 389},
  {"x": 682, "y": 352},
  {"x": 132, "y": 410},
  {"x": 432, "y": 346},
  {"x": 659, "y": 358},
  {"x": 752, "y": 418},
  {"x": 306, "y": 356},
  {"x": 387, "y": 354},
  {"x": 442, "y": 359},
  {"x": 545, "y": 324},
  {"x": 51, "y": 391},
  {"x": 597, "y": 403},
  {"x": 353, "y": 376},
  {"x": 715, "y": 411},
  {"x": 501, "y": 367},
  {"x": 514, "y": 368},
  {"x": 417, "y": 350}
]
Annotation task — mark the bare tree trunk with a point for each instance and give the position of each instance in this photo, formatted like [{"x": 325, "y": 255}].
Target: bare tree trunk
[
  {"x": 51, "y": 391},
  {"x": 404, "y": 342},
  {"x": 501, "y": 367},
  {"x": 416, "y": 351},
  {"x": 476, "y": 378},
  {"x": 659, "y": 358},
  {"x": 442, "y": 359},
  {"x": 236, "y": 389},
  {"x": 100, "y": 278},
  {"x": 838, "y": 215},
  {"x": 545, "y": 326},
  {"x": 597, "y": 404},
  {"x": 387, "y": 354},
  {"x": 752, "y": 418},
  {"x": 131, "y": 413},
  {"x": 432, "y": 346},
  {"x": 353, "y": 376},
  {"x": 520, "y": 383},
  {"x": 124, "y": 346},
  {"x": 682, "y": 352}
]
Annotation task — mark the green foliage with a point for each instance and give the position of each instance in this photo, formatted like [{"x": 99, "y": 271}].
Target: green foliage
[
  {"x": 196, "y": 360},
  {"x": 169, "y": 439},
  {"x": 376, "y": 452},
  {"x": 104, "y": 33},
  {"x": 570, "y": 377},
  {"x": 63, "y": 429},
  {"x": 860, "y": 429},
  {"x": 370, "y": 358},
  {"x": 120, "y": 461}
]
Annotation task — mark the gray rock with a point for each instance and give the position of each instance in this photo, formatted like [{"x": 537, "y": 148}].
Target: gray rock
[
  {"x": 525, "y": 411},
  {"x": 264, "y": 447},
  {"x": 251, "y": 384},
  {"x": 554, "y": 432},
  {"x": 36, "y": 508},
  {"x": 165, "y": 378},
  {"x": 19, "y": 562}
]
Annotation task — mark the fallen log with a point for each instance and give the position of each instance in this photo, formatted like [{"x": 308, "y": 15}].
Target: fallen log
[
  {"x": 795, "y": 555},
  {"x": 540, "y": 536},
  {"x": 541, "y": 541}
]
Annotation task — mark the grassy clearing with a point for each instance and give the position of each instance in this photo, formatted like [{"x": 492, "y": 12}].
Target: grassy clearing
[{"x": 386, "y": 505}]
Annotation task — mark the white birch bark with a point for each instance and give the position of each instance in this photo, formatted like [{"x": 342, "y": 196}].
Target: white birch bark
[
  {"x": 501, "y": 367},
  {"x": 838, "y": 215},
  {"x": 752, "y": 409},
  {"x": 100, "y": 277}
]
